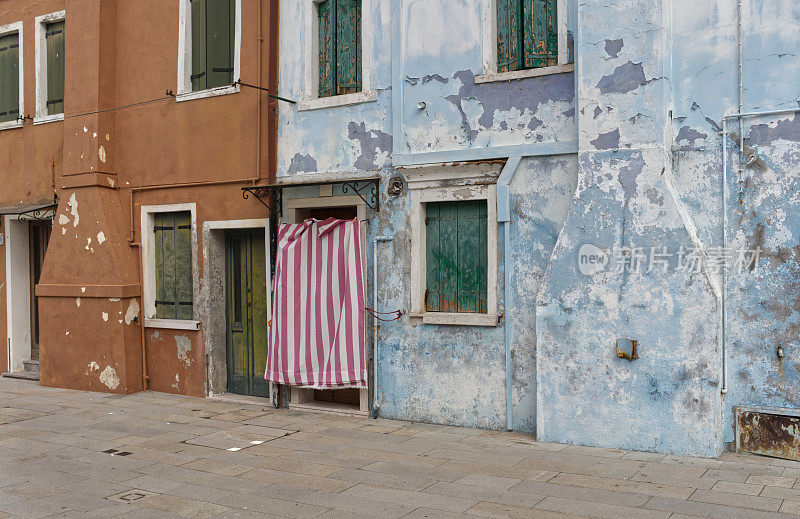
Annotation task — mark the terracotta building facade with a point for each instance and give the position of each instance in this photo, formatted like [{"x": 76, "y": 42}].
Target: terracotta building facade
[{"x": 124, "y": 148}]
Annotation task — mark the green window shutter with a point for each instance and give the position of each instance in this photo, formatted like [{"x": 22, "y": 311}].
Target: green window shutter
[
  {"x": 509, "y": 35},
  {"x": 199, "y": 75},
  {"x": 54, "y": 34},
  {"x": 165, "y": 265},
  {"x": 183, "y": 265},
  {"x": 456, "y": 257},
  {"x": 219, "y": 42},
  {"x": 327, "y": 39},
  {"x": 541, "y": 33},
  {"x": 472, "y": 256},
  {"x": 9, "y": 77},
  {"x": 348, "y": 46},
  {"x": 433, "y": 257},
  {"x": 173, "y": 244}
]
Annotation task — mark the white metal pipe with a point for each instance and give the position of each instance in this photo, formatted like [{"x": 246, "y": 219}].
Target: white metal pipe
[
  {"x": 723, "y": 315},
  {"x": 763, "y": 113},
  {"x": 377, "y": 239},
  {"x": 504, "y": 217},
  {"x": 741, "y": 81}
]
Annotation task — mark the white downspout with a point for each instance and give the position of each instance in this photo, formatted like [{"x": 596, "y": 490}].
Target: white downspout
[
  {"x": 377, "y": 239},
  {"x": 504, "y": 217}
]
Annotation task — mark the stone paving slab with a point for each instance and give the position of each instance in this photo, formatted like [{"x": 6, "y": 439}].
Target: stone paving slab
[{"x": 151, "y": 455}]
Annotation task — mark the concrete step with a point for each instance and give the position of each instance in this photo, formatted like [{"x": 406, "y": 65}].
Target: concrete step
[
  {"x": 24, "y": 375},
  {"x": 31, "y": 366}
]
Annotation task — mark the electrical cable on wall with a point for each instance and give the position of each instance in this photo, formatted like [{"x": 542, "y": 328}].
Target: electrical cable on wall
[{"x": 168, "y": 94}]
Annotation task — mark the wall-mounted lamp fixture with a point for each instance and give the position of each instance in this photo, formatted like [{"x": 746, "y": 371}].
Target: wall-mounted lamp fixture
[
  {"x": 627, "y": 349},
  {"x": 779, "y": 352},
  {"x": 421, "y": 105}
]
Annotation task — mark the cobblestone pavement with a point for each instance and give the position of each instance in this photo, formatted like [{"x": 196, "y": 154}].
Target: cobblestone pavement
[{"x": 75, "y": 454}]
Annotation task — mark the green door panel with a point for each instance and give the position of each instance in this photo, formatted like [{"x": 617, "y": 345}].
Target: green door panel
[
  {"x": 246, "y": 312},
  {"x": 258, "y": 311}
]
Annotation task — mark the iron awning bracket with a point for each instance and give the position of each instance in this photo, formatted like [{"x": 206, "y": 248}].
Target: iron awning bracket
[
  {"x": 262, "y": 194},
  {"x": 369, "y": 187}
]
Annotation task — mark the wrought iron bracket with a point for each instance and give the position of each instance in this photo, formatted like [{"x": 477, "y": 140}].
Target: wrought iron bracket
[
  {"x": 369, "y": 188},
  {"x": 39, "y": 214},
  {"x": 263, "y": 193}
]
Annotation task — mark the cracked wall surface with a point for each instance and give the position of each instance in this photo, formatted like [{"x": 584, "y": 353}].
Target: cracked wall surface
[{"x": 654, "y": 80}]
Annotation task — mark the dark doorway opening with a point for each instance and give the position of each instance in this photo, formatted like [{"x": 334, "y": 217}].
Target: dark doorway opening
[{"x": 39, "y": 237}]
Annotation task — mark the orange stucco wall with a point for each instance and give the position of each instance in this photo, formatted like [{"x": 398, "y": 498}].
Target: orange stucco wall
[{"x": 103, "y": 164}]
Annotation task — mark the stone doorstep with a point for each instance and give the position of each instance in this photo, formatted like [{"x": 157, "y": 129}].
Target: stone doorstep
[{"x": 23, "y": 375}]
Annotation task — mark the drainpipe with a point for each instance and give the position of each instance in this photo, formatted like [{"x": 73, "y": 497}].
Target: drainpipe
[
  {"x": 378, "y": 239},
  {"x": 504, "y": 217}
]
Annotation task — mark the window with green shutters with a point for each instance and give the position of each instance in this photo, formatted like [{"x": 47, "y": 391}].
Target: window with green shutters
[
  {"x": 9, "y": 77},
  {"x": 339, "y": 47},
  {"x": 212, "y": 43},
  {"x": 456, "y": 256},
  {"x": 173, "y": 247},
  {"x": 527, "y": 34},
  {"x": 54, "y": 35}
]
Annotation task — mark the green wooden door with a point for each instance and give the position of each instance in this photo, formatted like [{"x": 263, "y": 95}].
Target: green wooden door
[{"x": 246, "y": 312}]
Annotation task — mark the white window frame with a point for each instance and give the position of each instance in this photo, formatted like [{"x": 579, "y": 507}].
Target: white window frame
[
  {"x": 5, "y": 30},
  {"x": 148, "y": 217},
  {"x": 312, "y": 100},
  {"x": 184, "y": 92},
  {"x": 489, "y": 47},
  {"x": 426, "y": 185},
  {"x": 40, "y": 28}
]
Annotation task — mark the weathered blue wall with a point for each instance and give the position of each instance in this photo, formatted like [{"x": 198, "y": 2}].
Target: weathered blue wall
[{"x": 654, "y": 79}]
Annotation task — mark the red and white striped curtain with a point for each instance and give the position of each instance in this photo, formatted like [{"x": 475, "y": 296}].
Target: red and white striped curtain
[{"x": 317, "y": 335}]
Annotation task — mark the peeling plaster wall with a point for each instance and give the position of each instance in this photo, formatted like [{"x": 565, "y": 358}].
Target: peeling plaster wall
[
  {"x": 669, "y": 399},
  {"x": 432, "y": 373},
  {"x": 342, "y": 138},
  {"x": 654, "y": 80},
  {"x": 763, "y": 203}
]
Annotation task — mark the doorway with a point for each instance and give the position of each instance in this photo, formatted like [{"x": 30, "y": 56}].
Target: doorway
[
  {"x": 38, "y": 237},
  {"x": 347, "y": 396},
  {"x": 246, "y": 311}
]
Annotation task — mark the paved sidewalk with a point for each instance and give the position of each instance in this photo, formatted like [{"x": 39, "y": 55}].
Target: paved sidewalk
[{"x": 74, "y": 454}]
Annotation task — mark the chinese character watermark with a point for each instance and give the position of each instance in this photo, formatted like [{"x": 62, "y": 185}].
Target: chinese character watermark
[{"x": 633, "y": 259}]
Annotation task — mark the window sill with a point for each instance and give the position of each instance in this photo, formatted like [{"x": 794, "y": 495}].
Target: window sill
[
  {"x": 457, "y": 319},
  {"x": 333, "y": 101},
  {"x": 44, "y": 119},
  {"x": 527, "y": 73},
  {"x": 9, "y": 125},
  {"x": 210, "y": 92},
  {"x": 171, "y": 324}
]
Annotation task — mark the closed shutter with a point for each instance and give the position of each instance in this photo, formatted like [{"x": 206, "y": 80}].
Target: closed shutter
[
  {"x": 541, "y": 33},
  {"x": 198, "y": 75},
  {"x": 54, "y": 34},
  {"x": 348, "y": 46},
  {"x": 509, "y": 34},
  {"x": 219, "y": 42},
  {"x": 327, "y": 68},
  {"x": 173, "y": 244},
  {"x": 9, "y": 77},
  {"x": 456, "y": 257}
]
